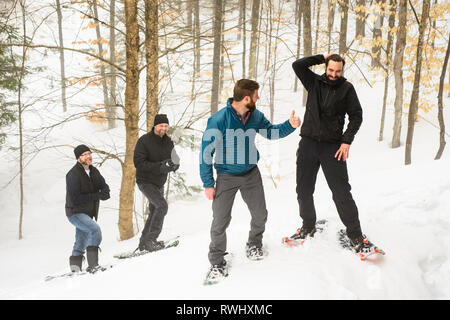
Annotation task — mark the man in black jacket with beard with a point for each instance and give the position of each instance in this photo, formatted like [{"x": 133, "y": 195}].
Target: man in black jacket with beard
[
  {"x": 324, "y": 144},
  {"x": 85, "y": 186},
  {"x": 154, "y": 158}
]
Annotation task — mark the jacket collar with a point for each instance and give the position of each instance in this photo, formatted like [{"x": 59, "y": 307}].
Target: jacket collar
[{"x": 80, "y": 166}]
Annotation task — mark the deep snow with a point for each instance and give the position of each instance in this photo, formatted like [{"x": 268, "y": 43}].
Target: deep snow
[{"x": 403, "y": 209}]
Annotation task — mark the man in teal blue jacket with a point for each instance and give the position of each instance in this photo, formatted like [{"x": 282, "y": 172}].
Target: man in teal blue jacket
[{"x": 230, "y": 136}]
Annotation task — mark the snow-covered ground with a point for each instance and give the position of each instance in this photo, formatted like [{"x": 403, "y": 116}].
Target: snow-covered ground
[{"x": 403, "y": 209}]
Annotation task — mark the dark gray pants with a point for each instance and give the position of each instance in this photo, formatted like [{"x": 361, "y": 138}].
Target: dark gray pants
[
  {"x": 157, "y": 211},
  {"x": 252, "y": 192}
]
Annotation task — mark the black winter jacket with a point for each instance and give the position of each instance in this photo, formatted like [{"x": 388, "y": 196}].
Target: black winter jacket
[
  {"x": 327, "y": 104},
  {"x": 149, "y": 152},
  {"x": 84, "y": 191}
]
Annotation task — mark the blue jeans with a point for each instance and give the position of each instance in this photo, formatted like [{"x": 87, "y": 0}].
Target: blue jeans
[{"x": 87, "y": 233}]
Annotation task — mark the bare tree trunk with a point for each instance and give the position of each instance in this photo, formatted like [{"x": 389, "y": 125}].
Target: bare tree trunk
[
  {"x": 274, "y": 65},
  {"x": 61, "y": 56},
  {"x": 319, "y": 6},
  {"x": 441, "y": 106},
  {"x": 343, "y": 33},
  {"x": 297, "y": 13},
  {"x": 111, "y": 111},
  {"x": 307, "y": 39},
  {"x": 244, "y": 35},
  {"x": 414, "y": 104},
  {"x": 257, "y": 42},
  {"x": 299, "y": 32},
  {"x": 189, "y": 11},
  {"x": 197, "y": 36},
  {"x": 398, "y": 72},
  {"x": 100, "y": 53},
  {"x": 131, "y": 120},
  {"x": 392, "y": 10},
  {"x": 222, "y": 60},
  {"x": 377, "y": 33},
  {"x": 360, "y": 18},
  {"x": 196, "y": 47},
  {"x": 254, "y": 39},
  {"x": 20, "y": 117},
  {"x": 151, "y": 57},
  {"x": 331, "y": 11},
  {"x": 216, "y": 56},
  {"x": 269, "y": 27}
]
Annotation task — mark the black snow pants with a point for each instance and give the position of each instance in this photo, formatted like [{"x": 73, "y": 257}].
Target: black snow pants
[{"x": 311, "y": 155}]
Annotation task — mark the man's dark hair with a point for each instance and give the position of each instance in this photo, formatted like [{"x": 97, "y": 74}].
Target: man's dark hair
[
  {"x": 335, "y": 58},
  {"x": 243, "y": 88}
]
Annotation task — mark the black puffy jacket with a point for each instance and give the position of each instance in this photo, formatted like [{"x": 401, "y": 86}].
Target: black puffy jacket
[
  {"x": 84, "y": 191},
  {"x": 150, "y": 150},
  {"x": 327, "y": 104}
]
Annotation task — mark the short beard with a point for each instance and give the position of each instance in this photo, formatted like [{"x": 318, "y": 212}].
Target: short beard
[
  {"x": 251, "y": 106},
  {"x": 160, "y": 133},
  {"x": 85, "y": 163}
]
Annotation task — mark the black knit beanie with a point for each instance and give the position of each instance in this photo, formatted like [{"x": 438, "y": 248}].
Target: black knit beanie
[
  {"x": 160, "y": 118},
  {"x": 80, "y": 150}
]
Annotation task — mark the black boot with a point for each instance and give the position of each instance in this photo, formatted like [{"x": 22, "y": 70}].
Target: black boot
[
  {"x": 153, "y": 245},
  {"x": 303, "y": 232},
  {"x": 75, "y": 263},
  {"x": 92, "y": 258}
]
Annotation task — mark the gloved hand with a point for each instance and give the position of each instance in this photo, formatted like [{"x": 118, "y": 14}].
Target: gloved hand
[
  {"x": 168, "y": 165},
  {"x": 103, "y": 194}
]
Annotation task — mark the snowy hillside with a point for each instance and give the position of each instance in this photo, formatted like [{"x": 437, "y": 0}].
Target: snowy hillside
[{"x": 405, "y": 210}]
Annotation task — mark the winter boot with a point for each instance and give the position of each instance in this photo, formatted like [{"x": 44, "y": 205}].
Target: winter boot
[
  {"x": 303, "y": 232},
  {"x": 361, "y": 244},
  {"x": 152, "y": 245},
  {"x": 217, "y": 272},
  {"x": 254, "y": 252},
  {"x": 141, "y": 246},
  {"x": 92, "y": 258},
  {"x": 75, "y": 263}
]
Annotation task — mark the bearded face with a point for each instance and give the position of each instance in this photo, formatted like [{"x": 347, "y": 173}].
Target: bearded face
[
  {"x": 334, "y": 70},
  {"x": 161, "y": 129},
  {"x": 251, "y": 106},
  {"x": 85, "y": 159}
]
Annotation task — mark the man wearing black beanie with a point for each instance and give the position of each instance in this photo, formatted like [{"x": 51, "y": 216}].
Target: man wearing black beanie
[
  {"x": 85, "y": 186},
  {"x": 154, "y": 158}
]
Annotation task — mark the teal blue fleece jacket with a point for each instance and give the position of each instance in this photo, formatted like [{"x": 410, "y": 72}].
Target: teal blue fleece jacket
[{"x": 233, "y": 142}]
